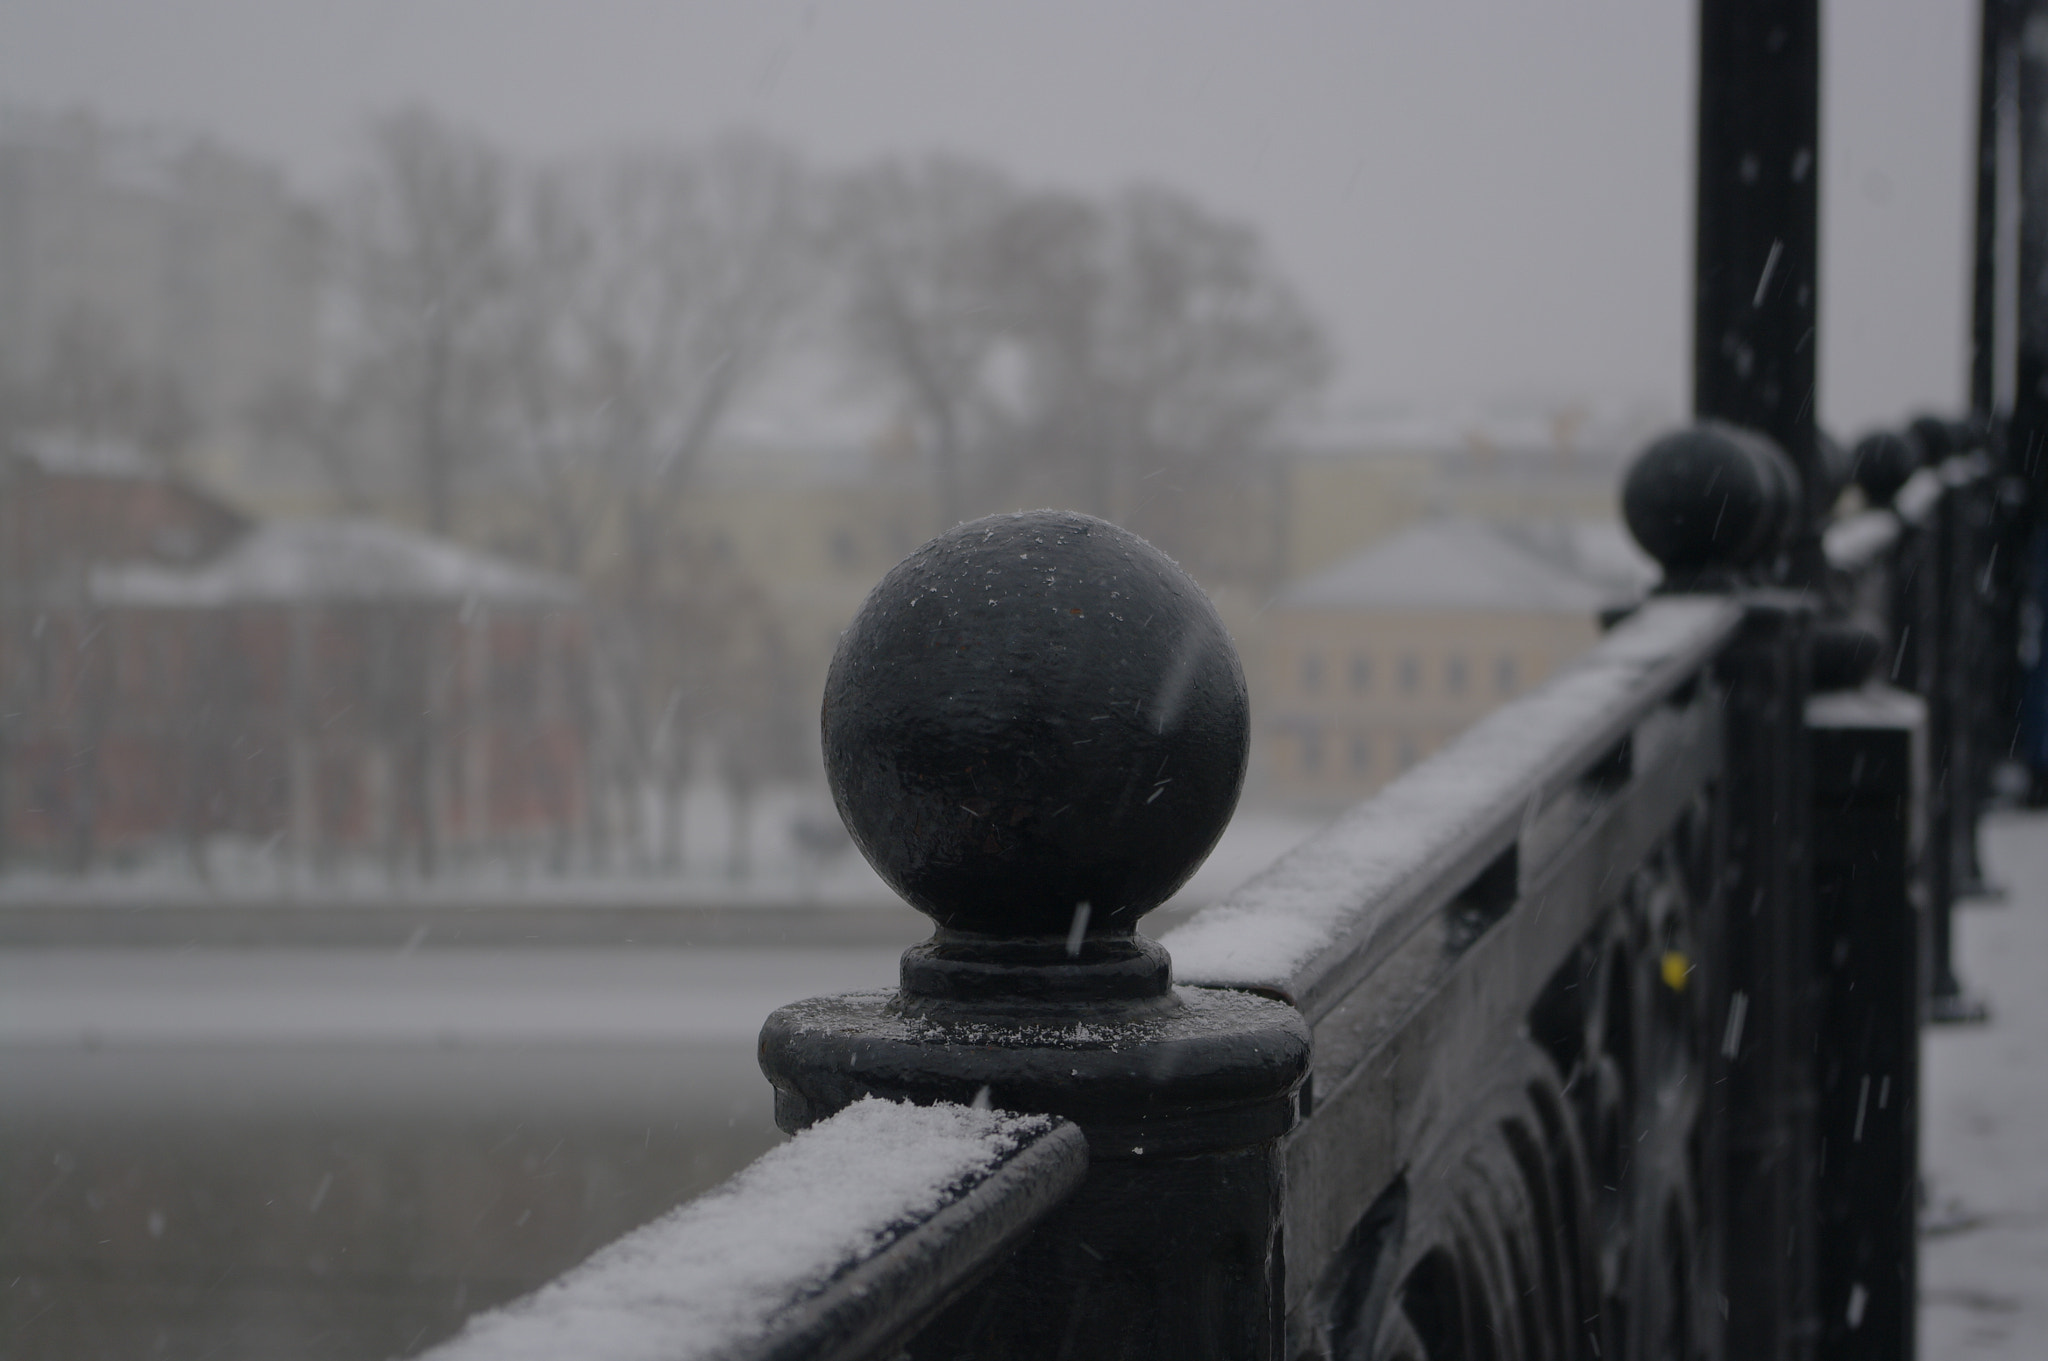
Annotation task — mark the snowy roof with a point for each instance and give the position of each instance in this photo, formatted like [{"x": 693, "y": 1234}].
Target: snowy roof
[
  {"x": 333, "y": 560},
  {"x": 63, "y": 453},
  {"x": 1600, "y": 429},
  {"x": 1599, "y": 550},
  {"x": 1450, "y": 564}
]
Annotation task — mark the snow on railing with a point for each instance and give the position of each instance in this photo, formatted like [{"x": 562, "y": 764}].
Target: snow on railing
[
  {"x": 1857, "y": 543},
  {"x": 1300, "y": 929},
  {"x": 835, "y": 1244}
]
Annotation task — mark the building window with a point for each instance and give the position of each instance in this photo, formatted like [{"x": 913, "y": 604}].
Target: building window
[
  {"x": 1504, "y": 679},
  {"x": 1361, "y": 673},
  {"x": 1454, "y": 675},
  {"x": 1411, "y": 675},
  {"x": 1312, "y": 752},
  {"x": 1361, "y": 754},
  {"x": 1312, "y": 672}
]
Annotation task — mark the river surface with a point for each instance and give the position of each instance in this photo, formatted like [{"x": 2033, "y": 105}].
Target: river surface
[
  {"x": 341, "y": 1154},
  {"x": 340, "y": 1151}
]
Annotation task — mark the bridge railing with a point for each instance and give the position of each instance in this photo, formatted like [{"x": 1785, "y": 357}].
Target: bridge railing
[
  {"x": 1594, "y": 1035},
  {"x": 1507, "y": 961}
]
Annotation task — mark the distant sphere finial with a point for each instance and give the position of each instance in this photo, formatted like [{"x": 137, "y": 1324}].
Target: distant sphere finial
[
  {"x": 1710, "y": 498},
  {"x": 1883, "y": 461},
  {"x": 1036, "y": 728},
  {"x": 1937, "y": 436}
]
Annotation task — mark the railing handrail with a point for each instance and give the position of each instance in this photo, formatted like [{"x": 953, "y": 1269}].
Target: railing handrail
[
  {"x": 1918, "y": 498},
  {"x": 831, "y": 1247},
  {"x": 1426, "y": 944},
  {"x": 1311, "y": 926},
  {"x": 1857, "y": 543}
]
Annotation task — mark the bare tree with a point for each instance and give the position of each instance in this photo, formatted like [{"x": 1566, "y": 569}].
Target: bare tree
[
  {"x": 585, "y": 331},
  {"x": 92, "y": 386},
  {"x": 703, "y": 261},
  {"x": 1131, "y": 357},
  {"x": 1157, "y": 351},
  {"x": 552, "y": 417},
  {"x": 425, "y": 247},
  {"x": 921, "y": 306},
  {"x": 652, "y": 290}
]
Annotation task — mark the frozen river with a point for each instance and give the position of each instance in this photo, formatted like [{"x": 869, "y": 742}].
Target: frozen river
[{"x": 341, "y": 1153}]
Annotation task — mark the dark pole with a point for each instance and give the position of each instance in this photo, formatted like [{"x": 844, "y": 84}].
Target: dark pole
[
  {"x": 1994, "y": 88},
  {"x": 1756, "y": 276},
  {"x": 1757, "y": 243},
  {"x": 2030, "y": 391},
  {"x": 2029, "y": 431},
  {"x": 1869, "y": 799}
]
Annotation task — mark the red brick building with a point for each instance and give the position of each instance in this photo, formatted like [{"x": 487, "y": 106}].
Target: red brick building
[{"x": 171, "y": 672}]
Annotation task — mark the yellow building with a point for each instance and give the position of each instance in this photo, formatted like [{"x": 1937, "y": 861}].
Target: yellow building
[{"x": 1370, "y": 665}]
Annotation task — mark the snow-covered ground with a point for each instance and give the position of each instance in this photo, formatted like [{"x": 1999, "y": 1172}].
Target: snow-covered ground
[
  {"x": 796, "y": 857},
  {"x": 316, "y": 1033},
  {"x": 168, "y": 998},
  {"x": 1984, "y": 1135}
]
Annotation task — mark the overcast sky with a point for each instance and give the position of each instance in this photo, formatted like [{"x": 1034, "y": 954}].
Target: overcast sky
[{"x": 1485, "y": 201}]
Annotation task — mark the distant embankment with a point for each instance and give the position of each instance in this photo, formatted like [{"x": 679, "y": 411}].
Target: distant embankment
[{"x": 79, "y": 919}]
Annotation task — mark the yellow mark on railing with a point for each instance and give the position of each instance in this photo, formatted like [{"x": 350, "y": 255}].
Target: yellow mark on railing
[{"x": 1675, "y": 969}]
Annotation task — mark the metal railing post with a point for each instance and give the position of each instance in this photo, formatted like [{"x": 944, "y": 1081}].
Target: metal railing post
[
  {"x": 2027, "y": 437},
  {"x": 1948, "y": 696},
  {"x": 1718, "y": 507},
  {"x": 1035, "y": 729},
  {"x": 1870, "y": 772},
  {"x": 1766, "y": 1040},
  {"x": 1756, "y": 251}
]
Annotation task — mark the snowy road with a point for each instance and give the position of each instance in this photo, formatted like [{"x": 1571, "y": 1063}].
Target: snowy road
[{"x": 1984, "y": 1265}]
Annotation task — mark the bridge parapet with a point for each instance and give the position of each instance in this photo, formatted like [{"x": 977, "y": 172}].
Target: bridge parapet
[{"x": 1595, "y": 1034}]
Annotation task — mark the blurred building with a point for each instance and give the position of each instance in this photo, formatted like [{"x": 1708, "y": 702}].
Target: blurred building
[
  {"x": 172, "y": 672},
  {"x": 783, "y": 531},
  {"x": 1350, "y": 481},
  {"x": 1369, "y": 666},
  {"x": 170, "y": 259},
  {"x": 816, "y": 533}
]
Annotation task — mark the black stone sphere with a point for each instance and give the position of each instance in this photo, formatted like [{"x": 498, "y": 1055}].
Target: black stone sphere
[
  {"x": 1938, "y": 438},
  {"x": 1032, "y": 712},
  {"x": 1883, "y": 463},
  {"x": 1710, "y": 496}
]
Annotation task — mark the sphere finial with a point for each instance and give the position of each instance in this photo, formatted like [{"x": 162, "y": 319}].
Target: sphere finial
[
  {"x": 1036, "y": 729},
  {"x": 1884, "y": 460},
  {"x": 1710, "y": 500}
]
